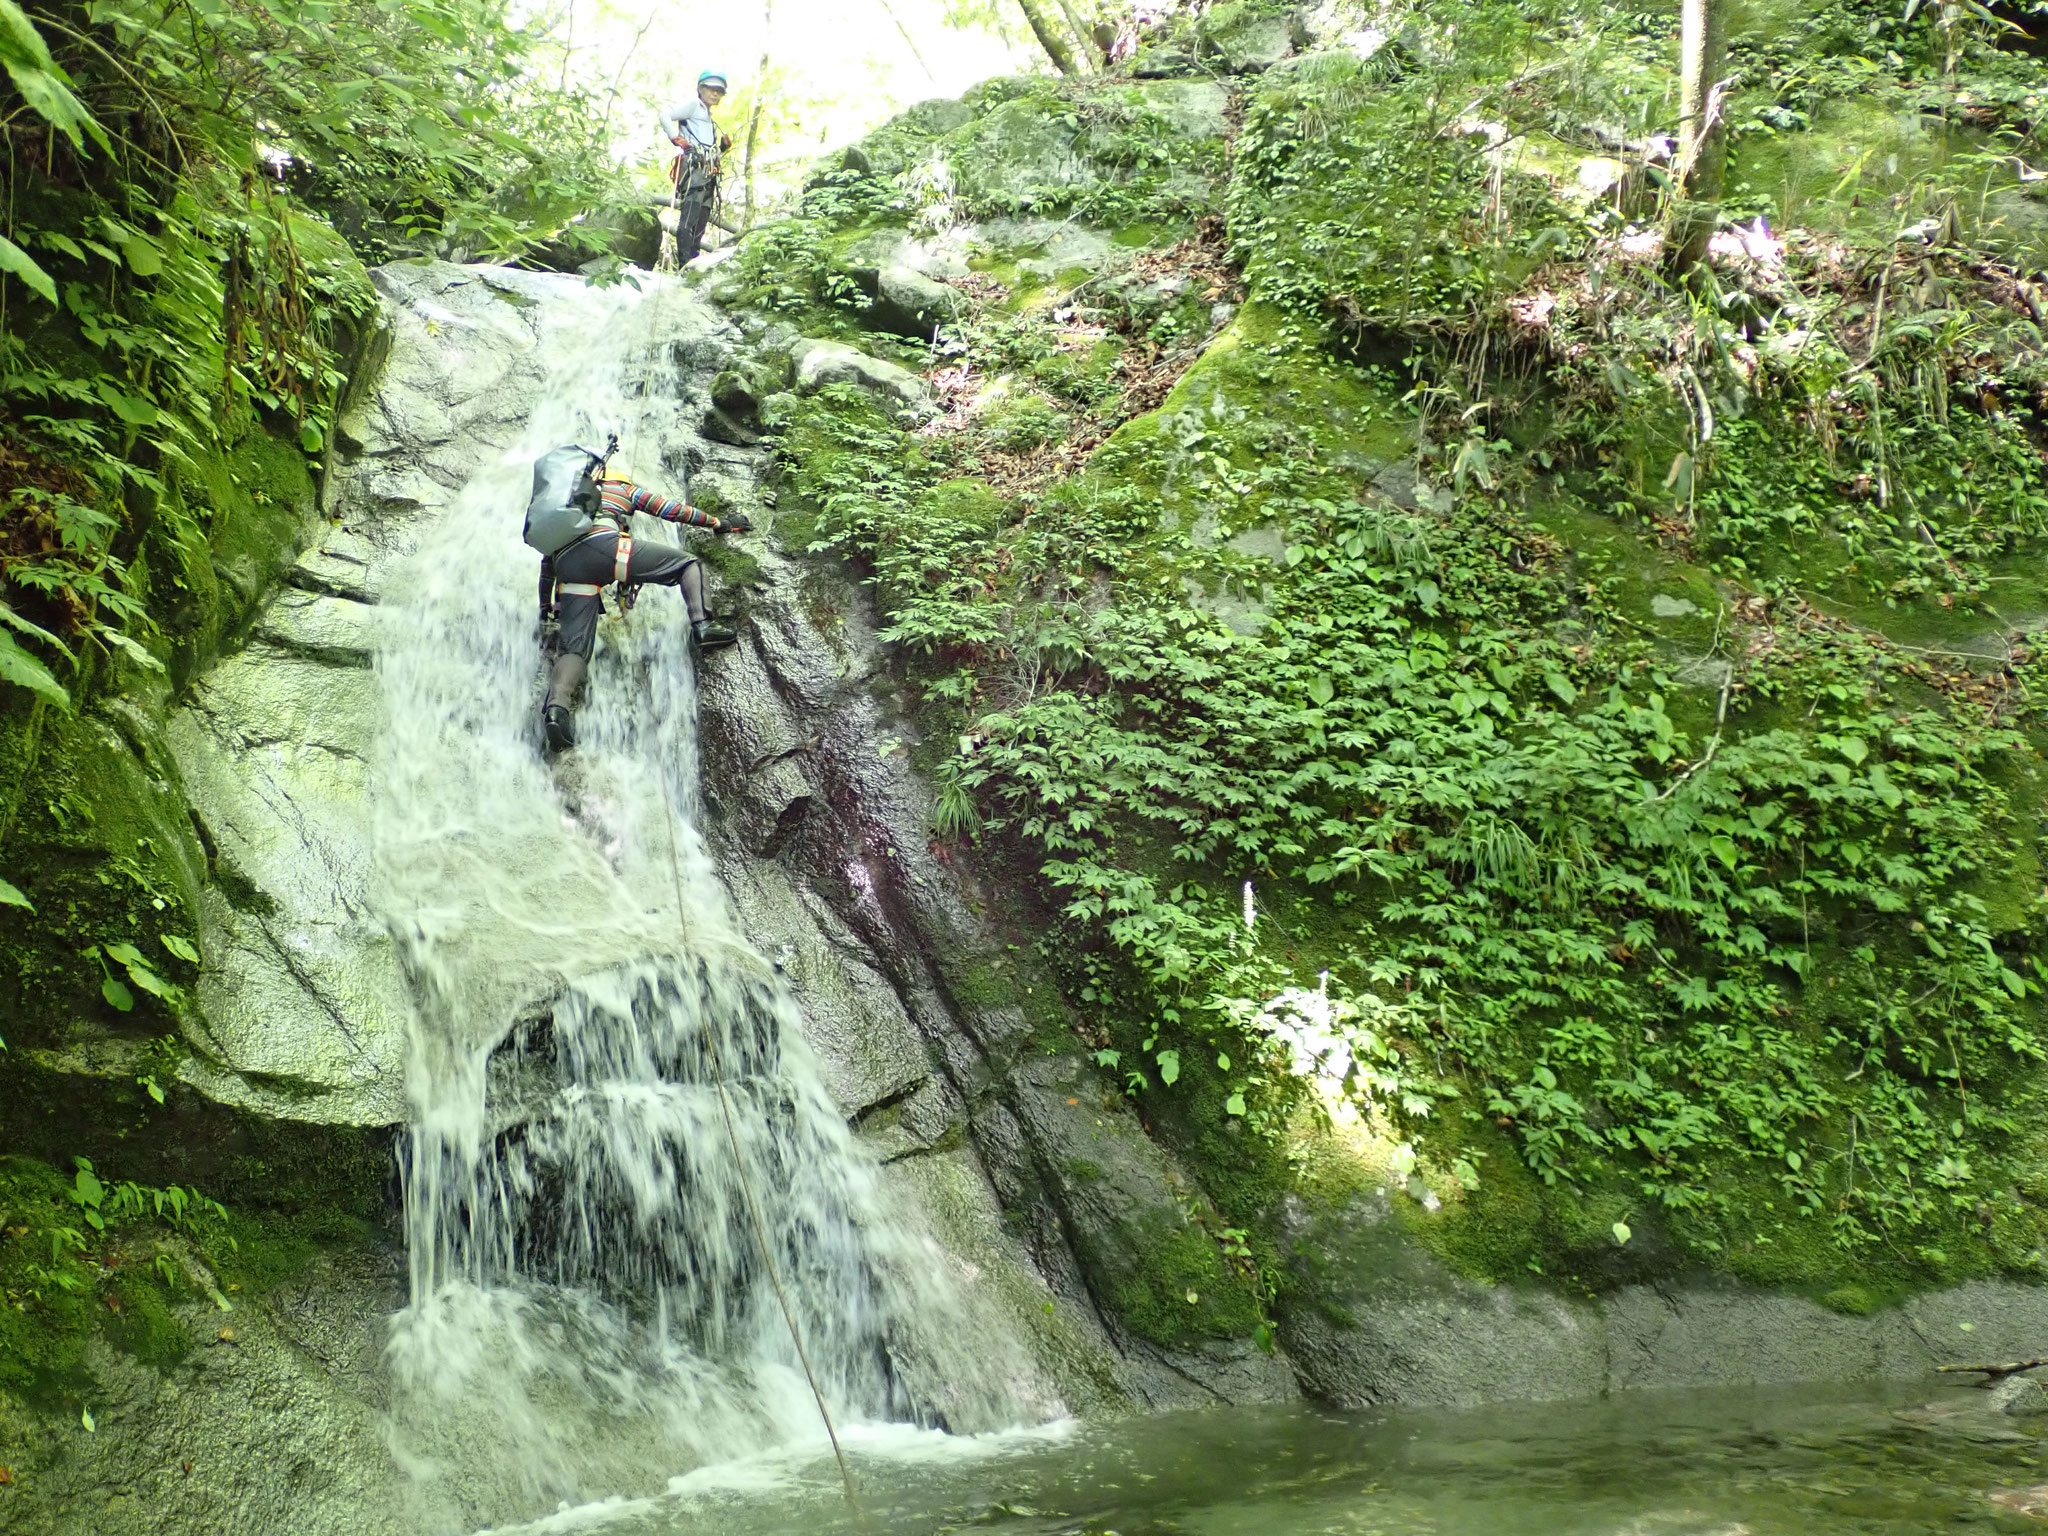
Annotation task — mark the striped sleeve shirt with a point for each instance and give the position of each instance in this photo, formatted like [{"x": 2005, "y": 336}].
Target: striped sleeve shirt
[{"x": 622, "y": 498}]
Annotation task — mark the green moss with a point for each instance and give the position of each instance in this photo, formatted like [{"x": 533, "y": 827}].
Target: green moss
[
  {"x": 1850, "y": 1301},
  {"x": 1175, "y": 1291},
  {"x": 106, "y": 851},
  {"x": 1023, "y": 421},
  {"x": 983, "y": 984},
  {"x": 734, "y": 565},
  {"x": 141, "y": 1320},
  {"x": 62, "y": 1281},
  {"x": 972, "y": 503}
]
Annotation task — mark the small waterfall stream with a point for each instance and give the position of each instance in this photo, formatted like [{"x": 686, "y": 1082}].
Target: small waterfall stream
[{"x": 589, "y": 1312}]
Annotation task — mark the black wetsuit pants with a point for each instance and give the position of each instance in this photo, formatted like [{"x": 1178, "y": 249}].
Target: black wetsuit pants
[{"x": 593, "y": 561}]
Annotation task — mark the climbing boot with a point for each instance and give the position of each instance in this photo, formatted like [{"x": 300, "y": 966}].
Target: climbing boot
[
  {"x": 711, "y": 635},
  {"x": 559, "y": 726}
]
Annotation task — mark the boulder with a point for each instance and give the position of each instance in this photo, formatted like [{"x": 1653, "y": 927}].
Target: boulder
[
  {"x": 818, "y": 363},
  {"x": 1194, "y": 108},
  {"x": 1249, "y": 44},
  {"x": 1163, "y": 63},
  {"x": 1050, "y": 248},
  {"x": 621, "y": 231},
  {"x": 1019, "y": 155},
  {"x": 889, "y": 150},
  {"x": 734, "y": 417},
  {"x": 907, "y": 303}
]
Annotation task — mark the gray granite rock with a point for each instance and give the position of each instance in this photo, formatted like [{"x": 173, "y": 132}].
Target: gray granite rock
[
  {"x": 819, "y": 363},
  {"x": 907, "y": 303}
]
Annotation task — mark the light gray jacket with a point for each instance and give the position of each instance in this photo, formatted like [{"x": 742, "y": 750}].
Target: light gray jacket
[{"x": 691, "y": 119}]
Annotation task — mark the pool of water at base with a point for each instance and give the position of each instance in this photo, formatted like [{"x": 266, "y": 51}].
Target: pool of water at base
[{"x": 1872, "y": 1460}]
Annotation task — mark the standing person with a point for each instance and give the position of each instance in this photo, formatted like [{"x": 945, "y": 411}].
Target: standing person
[
  {"x": 700, "y": 158},
  {"x": 579, "y": 517}
]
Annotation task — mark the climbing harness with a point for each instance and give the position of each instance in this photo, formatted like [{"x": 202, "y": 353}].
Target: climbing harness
[
  {"x": 739, "y": 1159},
  {"x": 699, "y": 170}
]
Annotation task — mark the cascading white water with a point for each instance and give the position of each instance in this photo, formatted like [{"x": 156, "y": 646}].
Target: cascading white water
[{"x": 589, "y": 1309}]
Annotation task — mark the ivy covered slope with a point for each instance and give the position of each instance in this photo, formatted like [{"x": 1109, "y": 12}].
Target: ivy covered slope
[
  {"x": 1479, "y": 717},
  {"x": 182, "y": 302}
]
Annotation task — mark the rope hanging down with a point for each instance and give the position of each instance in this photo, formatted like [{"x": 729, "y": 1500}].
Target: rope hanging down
[{"x": 675, "y": 869}]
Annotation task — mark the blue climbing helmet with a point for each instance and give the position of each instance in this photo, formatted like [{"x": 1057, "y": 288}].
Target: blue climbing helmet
[{"x": 713, "y": 77}]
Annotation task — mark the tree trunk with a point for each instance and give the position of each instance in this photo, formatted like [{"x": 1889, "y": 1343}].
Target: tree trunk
[
  {"x": 1051, "y": 36},
  {"x": 1084, "y": 39},
  {"x": 1702, "y": 137},
  {"x": 754, "y": 111},
  {"x": 910, "y": 42}
]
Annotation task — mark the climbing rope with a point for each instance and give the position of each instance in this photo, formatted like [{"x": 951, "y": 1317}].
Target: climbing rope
[
  {"x": 675, "y": 869},
  {"x": 670, "y": 219}
]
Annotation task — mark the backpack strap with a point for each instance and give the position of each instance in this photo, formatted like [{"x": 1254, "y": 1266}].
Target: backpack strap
[
  {"x": 579, "y": 589},
  {"x": 623, "y": 563}
]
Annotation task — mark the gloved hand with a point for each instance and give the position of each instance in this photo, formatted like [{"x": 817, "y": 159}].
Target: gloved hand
[
  {"x": 724, "y": 142},
  {"x": 734, "y": 522},
  {"x": 679, "y": 141}
]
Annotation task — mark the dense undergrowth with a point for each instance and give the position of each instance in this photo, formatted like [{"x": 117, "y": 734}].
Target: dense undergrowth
[
  {"x": 1590, "y": 722},
  {"x": 169, "y": 280},
  {"x": 188, "y": 198}
]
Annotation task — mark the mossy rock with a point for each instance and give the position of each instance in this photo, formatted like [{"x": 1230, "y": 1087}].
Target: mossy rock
[
  {"x": 1249, "y": 37},
  {"x": 106, "y": 851},
  {"x": 257, "y": 508},
  {"x": 1023, "y": 154}
]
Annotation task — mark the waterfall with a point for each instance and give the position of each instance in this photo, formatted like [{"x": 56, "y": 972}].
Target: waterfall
[{"x": 589, "y": 1311}]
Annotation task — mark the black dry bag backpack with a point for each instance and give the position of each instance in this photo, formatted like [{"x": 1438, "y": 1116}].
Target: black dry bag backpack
[{"x": 565, "y": 498}]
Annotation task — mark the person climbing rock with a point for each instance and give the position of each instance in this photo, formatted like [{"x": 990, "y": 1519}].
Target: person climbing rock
[
  {"x": 694, "y": 172},
  {"x": 580, "y": 519}
]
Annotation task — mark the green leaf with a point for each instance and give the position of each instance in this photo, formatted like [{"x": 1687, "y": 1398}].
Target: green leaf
[
  {"x": 182, "y": 948},
  {"x": 132, "y": 649},
  {"x": 127, "y": 954},
  {"x": 145, "y": 259},
  {"x": 10, "y": 896},
  {"x": 1234, "y": 1105},
  {"x": 118, "y": 996},
  {"x": 133, "y": 409},
  {"x": 84, "y": 1414},
  {"x": 1561, "y": 685},
  {"x": 1322, "y": 690},
  {"x": 1169, "y": 1067},
  {"x": 149, "y": 981},
  {"x": 18, "y": 263},
  {"x": 1854, "y": 748},
  {"x": 1621, "y": 1234},
  {"x": 1724, "y": 850},
  {"x": 310, "y": 438},
  {"x": 18, "y": 667},
  {"x": 15, "y": 621},
  {"x": 44, "y": 86}
]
